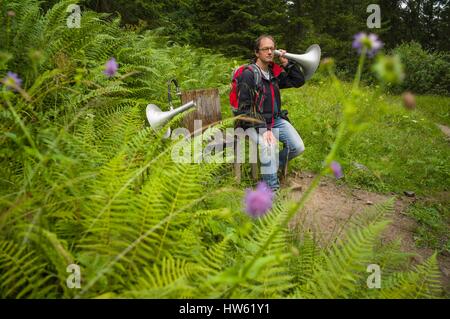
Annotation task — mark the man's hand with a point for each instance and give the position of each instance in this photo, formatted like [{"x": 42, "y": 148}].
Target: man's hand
[
  {"x": 269, "y": 138},
  {"x": 283, "y": 60}
]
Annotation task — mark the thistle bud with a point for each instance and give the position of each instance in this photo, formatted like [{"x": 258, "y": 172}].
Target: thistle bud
[{"x": 409, "y": 100}]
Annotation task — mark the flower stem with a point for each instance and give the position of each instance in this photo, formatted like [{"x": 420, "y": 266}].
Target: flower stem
[
  {"x": 360, "y": 66},
  {"x": 297, "y": 207},
  {"x": 315, "y": 182},
  {"x": 22, "y": 126}
]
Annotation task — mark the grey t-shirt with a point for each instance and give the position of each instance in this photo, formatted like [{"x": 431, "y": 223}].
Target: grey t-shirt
[{"x": 265, "y": 74}]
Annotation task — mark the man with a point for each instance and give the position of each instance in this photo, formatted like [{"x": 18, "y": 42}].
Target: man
[{"x": 265, "y": 101}]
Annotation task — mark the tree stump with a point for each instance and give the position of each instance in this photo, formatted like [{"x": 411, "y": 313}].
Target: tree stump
[{"x": 207, "y": 109}]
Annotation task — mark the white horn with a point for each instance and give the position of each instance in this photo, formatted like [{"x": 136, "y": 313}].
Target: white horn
[
  {"x": 158, "y": 118},
  {"x": 308, "y": 61}
]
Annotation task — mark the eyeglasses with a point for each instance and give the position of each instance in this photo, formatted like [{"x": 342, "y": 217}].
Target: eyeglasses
[{"x": 267, "y": 49}]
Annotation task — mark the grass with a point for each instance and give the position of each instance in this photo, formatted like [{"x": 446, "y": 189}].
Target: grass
[
  {"x": 398, "y": 150},
  {"x": 101, "y": 192},
  {"x": 432, "y": 230},
  {"x": 435, "y": 108}
]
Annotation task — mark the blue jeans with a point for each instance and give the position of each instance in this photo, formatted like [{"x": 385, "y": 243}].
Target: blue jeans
[{"x": 270, "y": 162}]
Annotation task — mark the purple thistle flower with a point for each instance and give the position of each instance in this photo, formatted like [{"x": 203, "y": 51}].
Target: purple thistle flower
[
  {"x": 12, "y": 80},
  {"x": 259, "y": 201},
  {"x": 337, "y": 169},
  {"x": 358, "y": 41},
  {"x": 371, "y": 42},
  {"x": 111, "y": 67}
]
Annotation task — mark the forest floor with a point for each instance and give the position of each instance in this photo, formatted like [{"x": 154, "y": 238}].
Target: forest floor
[{"x": 331, "y": 207}]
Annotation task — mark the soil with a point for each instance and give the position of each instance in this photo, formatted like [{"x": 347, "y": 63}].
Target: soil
[{"x": 330, "y": 208}]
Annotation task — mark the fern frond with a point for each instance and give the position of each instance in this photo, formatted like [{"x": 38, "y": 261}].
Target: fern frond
[
  {"x": 48, "y": 244},
  {"x": 23, "y": 274},
  {"x": 421, "y": 282},
  {"x": 305, "y": 258},
  {"x": 343, "y": 272},
  {"x": 168, "y": 279}
]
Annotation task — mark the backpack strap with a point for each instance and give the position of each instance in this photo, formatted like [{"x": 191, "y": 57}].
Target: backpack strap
[
  {"x": 259, "y": 87},
  {"x": 256, "y": 75}
]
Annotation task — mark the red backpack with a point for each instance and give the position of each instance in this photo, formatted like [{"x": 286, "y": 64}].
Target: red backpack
[{"x": 236, "y": 77}]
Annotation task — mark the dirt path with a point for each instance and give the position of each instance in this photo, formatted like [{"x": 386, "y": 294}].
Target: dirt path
[{"x": 331, "y": 206}]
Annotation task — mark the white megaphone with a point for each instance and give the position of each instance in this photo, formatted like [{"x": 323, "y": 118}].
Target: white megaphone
[
  {"x": 158, "y": 118},
  {"x": 308, "y": 61}
]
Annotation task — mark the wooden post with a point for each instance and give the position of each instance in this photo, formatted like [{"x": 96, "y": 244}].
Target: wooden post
[
  {"x": 207, "y": 109},
  {"x": 236, "y": 165},
  {"x": 254, "y": 170}
]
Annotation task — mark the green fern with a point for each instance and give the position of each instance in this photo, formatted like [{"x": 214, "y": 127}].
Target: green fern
[
  {"x": 23, "y": 273},
  {"x": 170, "y": 279},
  {"x": 421, "y": 282}
]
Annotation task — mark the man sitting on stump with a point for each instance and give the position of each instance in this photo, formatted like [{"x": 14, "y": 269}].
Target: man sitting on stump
[{"x": 259, "y": 97}]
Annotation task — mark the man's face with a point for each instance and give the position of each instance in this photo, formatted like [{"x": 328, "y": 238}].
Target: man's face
[{"x": 266, "y": 48}]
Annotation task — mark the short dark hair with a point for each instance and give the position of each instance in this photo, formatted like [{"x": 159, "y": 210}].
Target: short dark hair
[{"x": 258, "y": 41}]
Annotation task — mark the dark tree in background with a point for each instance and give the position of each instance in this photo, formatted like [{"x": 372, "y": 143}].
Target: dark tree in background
[
  {"x": 230, "y": 26},
  {"x": 426, "y": 22}
]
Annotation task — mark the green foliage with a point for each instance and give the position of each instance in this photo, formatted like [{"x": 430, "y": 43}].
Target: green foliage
[
  {"x": 230, "y": 27},
  {"x": 435, "y": 108},
  {"x": 396, "y": 150},
  {"x": 432, "y": 230},
  {"x": 426, "y": 72},
  {"x": 421, "y": 283}
]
